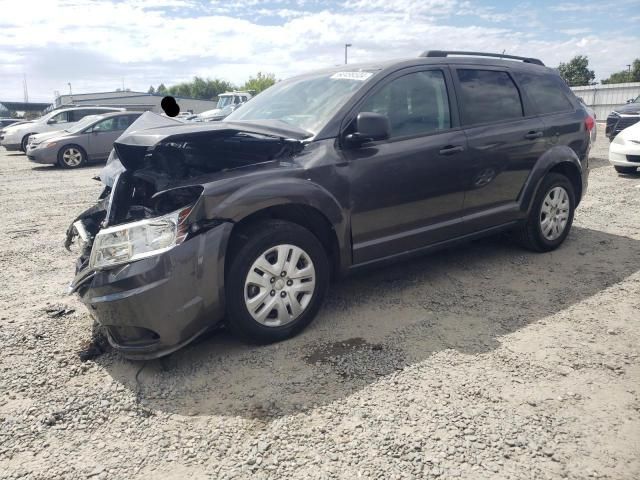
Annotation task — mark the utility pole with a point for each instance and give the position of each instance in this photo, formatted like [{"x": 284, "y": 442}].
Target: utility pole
[
  {"x": 24, "y": 87},
  {"x": 346, "y": 45},
  {"x": 69, "y": 83},
  {"x": 629, "y": 72}
]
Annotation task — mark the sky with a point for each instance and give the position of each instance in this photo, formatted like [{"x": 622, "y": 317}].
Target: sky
[{"x": 100, "y": 45}]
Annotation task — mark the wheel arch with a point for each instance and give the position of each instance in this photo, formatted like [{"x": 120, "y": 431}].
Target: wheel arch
[
  {"x": 25, "y": 137},
  {"x": 296, "y": 200},
  {"x": 560, "y": 159}
]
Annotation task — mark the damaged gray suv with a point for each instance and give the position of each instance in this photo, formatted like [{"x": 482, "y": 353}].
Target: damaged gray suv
[{"x": 245, "y": 221}]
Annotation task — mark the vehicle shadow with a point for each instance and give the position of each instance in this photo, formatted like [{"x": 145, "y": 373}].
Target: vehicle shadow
[{"x": 382, "y": 321}]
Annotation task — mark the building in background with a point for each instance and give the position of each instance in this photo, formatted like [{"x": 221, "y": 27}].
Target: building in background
[
  {"x": 23, "y": 109},
  {"x": 605, "y": 98},
  {"x": 138, "y": 101}
]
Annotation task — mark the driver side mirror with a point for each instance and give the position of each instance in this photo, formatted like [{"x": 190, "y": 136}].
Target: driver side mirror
[
  {"x": 369, "y": 127},
  {"x": 51, "y": 121},
  {"x": 630, "y": 100}
]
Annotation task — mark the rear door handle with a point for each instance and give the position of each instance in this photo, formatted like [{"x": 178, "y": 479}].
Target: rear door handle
[
  {"x": 451, "y": 149},
  {"x": 533, "y": 135}
]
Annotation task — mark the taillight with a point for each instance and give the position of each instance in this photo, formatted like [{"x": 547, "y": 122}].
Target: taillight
[{"x": 589, "y": 123}]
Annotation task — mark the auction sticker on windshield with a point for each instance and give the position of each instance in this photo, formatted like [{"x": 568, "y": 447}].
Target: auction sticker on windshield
[{"x": 359, "y": 76}]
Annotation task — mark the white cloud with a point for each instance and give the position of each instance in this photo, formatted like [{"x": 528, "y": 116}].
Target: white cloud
[{"x": 95, "y": 44}]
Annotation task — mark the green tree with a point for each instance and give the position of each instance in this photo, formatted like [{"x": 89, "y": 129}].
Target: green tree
[
  {"x": 576, "y": 72},
  {"x": 151, "y": 90},
  {"x": 162, "y": 90},
  {"x": 260, "y": 82},
  {"x": 181, "y": 90},
  {"x": 624, "y": 76}
]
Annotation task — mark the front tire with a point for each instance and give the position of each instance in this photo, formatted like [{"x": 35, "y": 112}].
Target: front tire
[
  {"x": 627, "y": 170},
  {"x": 551, "y": 215},
  {"x": 276, "y": 281},
  {"x": 25, "y": 143},
  {"x": 71, "y": 156}
]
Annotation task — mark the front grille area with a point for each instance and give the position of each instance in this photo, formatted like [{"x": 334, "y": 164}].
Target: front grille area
[
  {"x": 633, "y": 158},
  {"x": 616, "y": 123}
]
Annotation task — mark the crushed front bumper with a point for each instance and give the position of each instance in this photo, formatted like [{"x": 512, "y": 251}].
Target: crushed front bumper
[{"x": 154, "y": 306}]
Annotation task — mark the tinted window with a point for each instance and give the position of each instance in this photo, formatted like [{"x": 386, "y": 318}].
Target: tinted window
[
  {"x": 107, "y": 125},
  {"x": 415, "y": 104},
  {"x": 123, "y": 122},
  {"x": 488, "y": 96},
  {"x": 546, "y": 92},
  {"x": 76, "y": 115},
  {"x": 62, "y": 117}
]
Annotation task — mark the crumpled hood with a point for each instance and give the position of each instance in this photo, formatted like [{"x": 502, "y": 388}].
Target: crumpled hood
[
  {"x": 628, "y": 109},
  {"x": 151, "y": 129}
]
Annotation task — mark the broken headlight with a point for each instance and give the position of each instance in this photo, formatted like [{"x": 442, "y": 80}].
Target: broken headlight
[{"x": 134, "y": 241}]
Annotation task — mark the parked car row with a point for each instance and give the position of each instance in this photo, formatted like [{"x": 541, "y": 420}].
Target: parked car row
[
  {"x": 624, "y": 151},
  {"x": 5, "y": 122},
  {"x": 623, "y": 117},
  {"x": 88, "y": 140},
  {"x": 16, "y": 137}
]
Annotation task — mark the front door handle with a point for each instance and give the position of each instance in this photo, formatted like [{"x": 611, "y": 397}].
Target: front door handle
[
  {"x": 533, "y": 135},
  {"x": 451, "y": 149}
]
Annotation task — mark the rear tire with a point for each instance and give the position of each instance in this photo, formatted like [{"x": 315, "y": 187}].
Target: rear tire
[
  {"x": 269, "y": 298},
  {"x": 625, "y": 169},
  {"x": 551, "y": 215},
  {"x": 71, "y": 156}
]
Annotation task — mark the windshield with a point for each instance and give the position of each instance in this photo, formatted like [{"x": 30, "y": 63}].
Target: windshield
[
  {"x": 225, "y": 101},
  {"x": 82, "y": 124},
  {"x": 306, "y": 102}
]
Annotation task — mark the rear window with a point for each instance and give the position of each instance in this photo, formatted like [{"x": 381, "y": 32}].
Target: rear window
[
  {"x": 488, "y": 96},
  {"x": 546, "y": 93},
  {"x": 77, "y": 115}
]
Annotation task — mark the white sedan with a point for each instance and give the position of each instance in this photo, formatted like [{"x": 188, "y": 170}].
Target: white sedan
[{"x": 624, "y": 151}]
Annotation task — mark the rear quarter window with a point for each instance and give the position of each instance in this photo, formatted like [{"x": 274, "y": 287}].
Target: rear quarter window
[
  {"x": 547, "y": 92},
  {"x": 488, "y": 96}
]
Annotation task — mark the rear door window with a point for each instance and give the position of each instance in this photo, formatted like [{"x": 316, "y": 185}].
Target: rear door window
[
  {"x": 546, "y": 93},
  {"x": 488, "y": 96},
  {"x": 80, "y": 114},
  {"x": 62, "y": 117},
  {"x": 415, "y": 104},
  {"x": 107, "y": 125}
]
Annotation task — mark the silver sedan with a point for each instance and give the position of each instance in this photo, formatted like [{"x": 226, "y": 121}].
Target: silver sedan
[{"x": 85, "y": 142}]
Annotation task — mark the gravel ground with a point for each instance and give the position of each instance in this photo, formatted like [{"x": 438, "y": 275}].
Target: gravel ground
[{"x": 485, "y": 361}]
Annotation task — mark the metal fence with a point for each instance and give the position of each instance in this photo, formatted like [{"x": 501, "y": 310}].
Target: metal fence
[{"x": 605, "y": 98}]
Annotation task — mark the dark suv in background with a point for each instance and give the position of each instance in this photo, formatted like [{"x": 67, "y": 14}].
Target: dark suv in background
[
  {"x": 623, "y": 117},
  {"x": 246, "y": 220}
]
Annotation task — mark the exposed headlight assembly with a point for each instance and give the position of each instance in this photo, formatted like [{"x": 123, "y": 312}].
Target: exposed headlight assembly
[{"x": 137, "y": 240}]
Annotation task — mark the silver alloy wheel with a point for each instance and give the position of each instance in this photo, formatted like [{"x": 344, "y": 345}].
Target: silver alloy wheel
[
  {"x": 72, "y": 157},
  {"x": 554, "y": 213},
  {"x": 279, "y": 285}
]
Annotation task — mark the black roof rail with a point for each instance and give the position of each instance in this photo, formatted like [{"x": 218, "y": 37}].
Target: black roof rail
[{"x": 445, "y": 53}]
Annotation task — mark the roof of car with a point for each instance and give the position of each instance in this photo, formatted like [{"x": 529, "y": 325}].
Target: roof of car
[
  {"x": 417, "y": 61},
  {"x": 118, "y": 109},
  {"x": 117, "y": 114}
]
